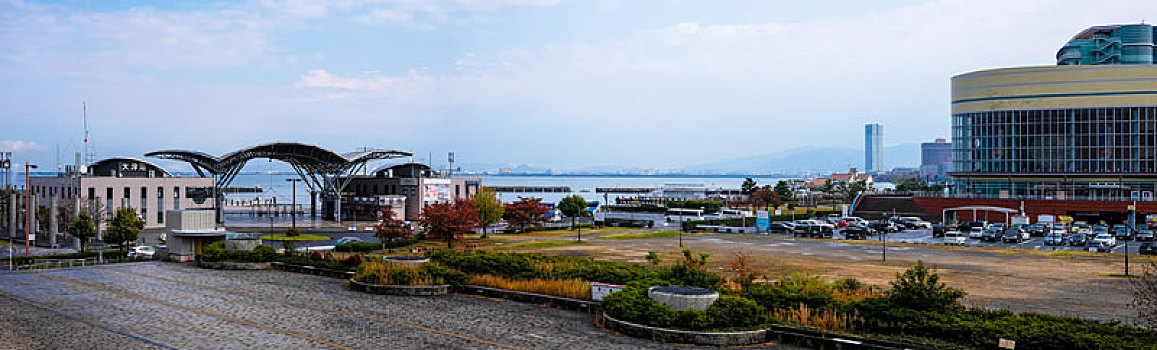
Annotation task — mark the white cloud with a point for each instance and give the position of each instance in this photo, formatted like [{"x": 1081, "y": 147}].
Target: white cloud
[
  {"x": 372, "y": 84},
  {"x": 19, "y": 146}
]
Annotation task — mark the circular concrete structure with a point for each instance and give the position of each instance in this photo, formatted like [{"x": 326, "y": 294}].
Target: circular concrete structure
[
  {"x": 683, "y": 298},
  {"x": 405, "y": 259}
]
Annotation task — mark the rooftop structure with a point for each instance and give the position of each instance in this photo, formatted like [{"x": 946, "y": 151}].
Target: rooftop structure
[
  {"x": 1111, "y": 44},
  {"x": 320, "y": 169}
]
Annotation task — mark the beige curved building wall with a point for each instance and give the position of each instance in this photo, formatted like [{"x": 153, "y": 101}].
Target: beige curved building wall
[{"x": 1054, "y": 87}]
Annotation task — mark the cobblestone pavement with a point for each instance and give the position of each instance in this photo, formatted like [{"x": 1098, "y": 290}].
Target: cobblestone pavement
[{"x": 164, "y": 305}]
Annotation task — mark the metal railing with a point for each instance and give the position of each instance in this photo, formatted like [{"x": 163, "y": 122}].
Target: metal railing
[{"x": 39, "y": 264}]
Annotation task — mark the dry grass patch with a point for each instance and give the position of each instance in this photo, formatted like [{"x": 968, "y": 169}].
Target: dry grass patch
[{"x": 567, "y": 288}]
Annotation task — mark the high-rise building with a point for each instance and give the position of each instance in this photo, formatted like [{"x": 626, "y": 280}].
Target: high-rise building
[
  {"x": 1112, "y": 44},
  {"x": 873, "y": 137},
  {"x": 935, "y": 158}
]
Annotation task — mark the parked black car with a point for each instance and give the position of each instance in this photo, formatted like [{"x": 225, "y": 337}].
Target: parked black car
[
  {"x": 1078, "y": 239},
  {"x": 780, "y": 227},
  {"x": 938, "y": 230},
  {"x": 855, "y": 232},
  {"x": 1012, "y": 235},
  {"x": 990, "y": 235},
  {"x": 1038, "y": 230},
  {"x": 1148, "y": 248}
]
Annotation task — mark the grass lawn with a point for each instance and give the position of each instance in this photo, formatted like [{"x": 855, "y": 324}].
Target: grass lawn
[
  {"x": 645, "y": 235},
  {"x": 301, "y": 237},
  {"x": 563, "y": 233},
  {"x": 535, "y": 245}
]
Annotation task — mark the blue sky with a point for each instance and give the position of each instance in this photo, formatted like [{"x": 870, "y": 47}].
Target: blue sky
[{"x": 563, "y": 84}]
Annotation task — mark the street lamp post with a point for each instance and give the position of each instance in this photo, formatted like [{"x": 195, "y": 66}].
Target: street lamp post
[
  {"x": 27, "y": 208},
  {"x": 293, "y": 207}
]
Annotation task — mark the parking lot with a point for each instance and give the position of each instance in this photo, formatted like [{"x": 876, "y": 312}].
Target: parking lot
[{"x": 925, "y": 237}]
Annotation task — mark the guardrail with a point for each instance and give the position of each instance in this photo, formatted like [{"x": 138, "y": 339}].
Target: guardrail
[{"x": 37, "y": 264}]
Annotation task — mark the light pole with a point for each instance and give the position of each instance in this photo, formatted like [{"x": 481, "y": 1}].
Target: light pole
[
  {"x": 293, "y": 207},
  {"x": 1132, "y": 224},
  {"x": 27, "y": 208}
]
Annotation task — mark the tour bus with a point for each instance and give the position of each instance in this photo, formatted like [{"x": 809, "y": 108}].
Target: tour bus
[{"x": 682, "y": 214}]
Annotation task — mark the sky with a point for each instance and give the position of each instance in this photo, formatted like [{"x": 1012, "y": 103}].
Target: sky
[{"x": 550, "y": 83}]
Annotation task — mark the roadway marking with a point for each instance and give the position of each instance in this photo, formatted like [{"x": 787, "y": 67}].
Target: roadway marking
[
  {"x": 196, "y": 311},
  {"x": 335, "y": 311}
]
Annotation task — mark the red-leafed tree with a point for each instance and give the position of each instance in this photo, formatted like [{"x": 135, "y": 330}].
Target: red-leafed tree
[
  {"x": 449, "y": 221},
  {"x": 524, "y": 213},
  {"x": 765, "y": 197},
  {"x": 388, "y": 228}
]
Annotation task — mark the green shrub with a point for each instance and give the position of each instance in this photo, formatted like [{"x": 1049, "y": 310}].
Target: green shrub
[
  {"x": 446, "y": 274},
  {"x": 692, "y": 319},
  {"x": 217, "y": 252},
  {"x": 848, "y": 284},
  {"x": 791, "y": 292},
  {"x": 919, "y": 288},
  {"x": 734, "y": 312}
]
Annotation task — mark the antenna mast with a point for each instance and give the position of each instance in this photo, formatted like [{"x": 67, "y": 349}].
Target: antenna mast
[{"x": 88, "y": 153}]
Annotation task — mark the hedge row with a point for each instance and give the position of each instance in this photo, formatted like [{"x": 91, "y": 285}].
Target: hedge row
[
  {"x": 217, "y": 252},
  {"x": 362, "y": 247}
]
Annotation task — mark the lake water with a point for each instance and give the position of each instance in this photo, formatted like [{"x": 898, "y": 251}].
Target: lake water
[{"x": 274, "y": 185}]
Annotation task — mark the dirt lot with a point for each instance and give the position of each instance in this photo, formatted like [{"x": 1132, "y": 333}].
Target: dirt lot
[{"x": 1065, "y": 284}]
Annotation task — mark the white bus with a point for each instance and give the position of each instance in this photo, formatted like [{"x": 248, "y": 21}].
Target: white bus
[{"x": 682, "y": 214}]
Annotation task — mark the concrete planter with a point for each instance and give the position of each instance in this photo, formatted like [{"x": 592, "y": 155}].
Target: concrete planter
[
  {"x": 232, "y": 265},
  {"x": 685, "y": 337},
  {"x": 683, "y": 298},
  {"x": 405, "y": 259},
  {"x": 400, "y": 290}
]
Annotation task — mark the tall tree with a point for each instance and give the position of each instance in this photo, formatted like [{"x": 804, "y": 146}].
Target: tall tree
[
  {"x": 748, "y": 186},
  {"x": 82, "y": 228},
  {"x": 388, "y": 228},
  {"x": 490, "y": 209},
  {"x": 764, "y": 197},
  {"x": 784, "y": 191},
  {"x": 525, "y": 212},
  {"x": 853, "y": 188},
  {"x": 449, "y": 221},
  {"x": 124, "y": 227},
  {"x": 573, "y": 207}
]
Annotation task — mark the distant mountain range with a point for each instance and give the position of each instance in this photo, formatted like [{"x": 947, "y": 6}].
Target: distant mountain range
[{"x": 811, "y": 160}]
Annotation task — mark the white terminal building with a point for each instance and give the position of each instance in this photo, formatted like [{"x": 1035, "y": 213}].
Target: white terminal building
[{"x": 107, "y": 185}]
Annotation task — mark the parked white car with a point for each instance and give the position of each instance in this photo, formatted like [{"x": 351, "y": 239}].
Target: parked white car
[
  {"x": 1104, "y": 238},
  {"x": 143, "y": 252},
  {"x": 954, "y": 237}
]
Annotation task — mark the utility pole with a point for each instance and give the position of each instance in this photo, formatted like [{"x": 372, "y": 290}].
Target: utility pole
[
  {"x": 1132, "y": 224},
  {"x": 27, "y": 209},
  {"x": 293, "y": 207}
]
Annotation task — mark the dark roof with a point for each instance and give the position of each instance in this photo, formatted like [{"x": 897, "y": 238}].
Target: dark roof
[
  {"x": 313, "y": 158},
  {"x": 126, "y": 167}
]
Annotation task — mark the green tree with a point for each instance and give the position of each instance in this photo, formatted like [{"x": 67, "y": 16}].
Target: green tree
[
  {"x": 124, "y": 227},
  {"x": 748, "y": 186},
  {"x": 784, "y": 191},
  {"x": 82, "y": 228},
  {"x": 490, "y": 209},
  {"x": 573, "y": 206},
  {"x": 853, "y": 188},
  {"x": 919, "y": 288}
]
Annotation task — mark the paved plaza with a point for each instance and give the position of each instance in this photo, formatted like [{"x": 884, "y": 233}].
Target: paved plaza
[{"x": 155, "y": 305}]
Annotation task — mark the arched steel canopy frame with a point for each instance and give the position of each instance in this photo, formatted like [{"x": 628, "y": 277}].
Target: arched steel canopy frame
[{"x": 319, "y": 168}]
